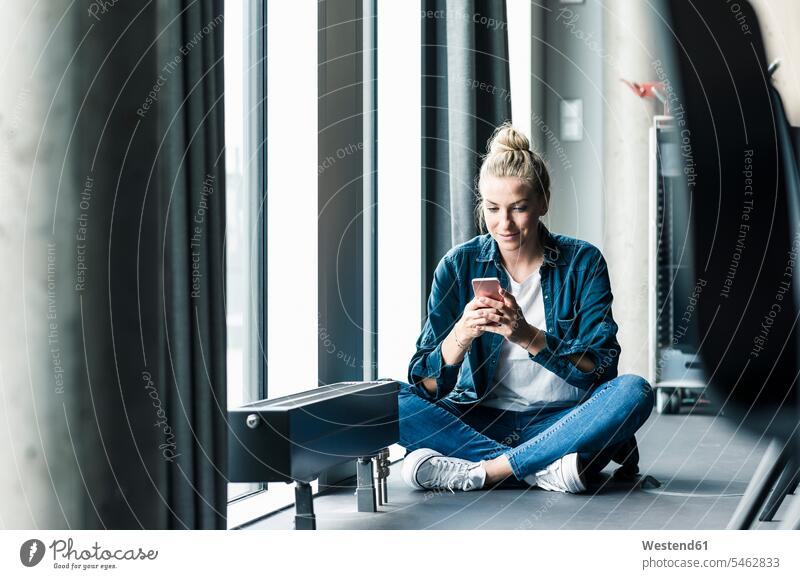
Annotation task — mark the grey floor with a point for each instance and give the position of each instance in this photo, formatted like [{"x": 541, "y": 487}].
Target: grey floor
[{"x": 702, "y": 462}]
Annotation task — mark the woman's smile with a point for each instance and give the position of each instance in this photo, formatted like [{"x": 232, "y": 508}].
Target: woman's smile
[{"x": 511, "y": 212}]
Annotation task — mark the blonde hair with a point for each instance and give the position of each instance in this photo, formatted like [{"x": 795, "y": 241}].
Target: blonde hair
[{"x": 508, "y": 154}]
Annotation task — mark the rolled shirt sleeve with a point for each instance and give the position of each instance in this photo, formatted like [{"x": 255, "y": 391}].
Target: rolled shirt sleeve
[
  {"x": 444, "y": 310},
  {"x": 597, "y": 333}
]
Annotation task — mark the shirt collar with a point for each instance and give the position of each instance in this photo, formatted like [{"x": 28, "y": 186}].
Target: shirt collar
[{"x": 552, "y": 251}]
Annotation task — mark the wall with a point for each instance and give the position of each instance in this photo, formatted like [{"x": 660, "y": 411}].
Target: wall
[
  {"x": 778, "y": 20},
  {"x": 572, "y": 69},
  {"x": 628, "y": 53},
  {"x": 599, "y": 190}
]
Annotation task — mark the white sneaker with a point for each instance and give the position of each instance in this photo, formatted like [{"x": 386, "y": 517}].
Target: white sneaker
[
  {"x": 562, "y": 476},
  {"x": 425, "y": 468}
]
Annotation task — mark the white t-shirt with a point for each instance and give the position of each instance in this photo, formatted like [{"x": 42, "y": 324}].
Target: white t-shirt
[{"x": 522, "y": 384}]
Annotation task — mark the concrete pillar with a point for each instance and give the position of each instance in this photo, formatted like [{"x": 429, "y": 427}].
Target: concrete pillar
[
  {"x": 40, "y": 337},
  {"x": 627, "y": 53}
]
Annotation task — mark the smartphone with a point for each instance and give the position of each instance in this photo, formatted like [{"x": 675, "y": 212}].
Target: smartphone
[{"x": 488, "y": 287}]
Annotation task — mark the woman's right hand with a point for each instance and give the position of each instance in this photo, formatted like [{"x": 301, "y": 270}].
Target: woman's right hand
[{"x": 475, "y": 316}]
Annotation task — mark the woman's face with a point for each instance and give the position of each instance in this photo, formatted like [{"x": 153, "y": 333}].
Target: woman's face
[{"x": 511, "y": 212}]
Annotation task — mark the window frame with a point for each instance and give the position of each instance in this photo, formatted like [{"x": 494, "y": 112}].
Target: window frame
[
  {"x": 256, "y": 505},
  {"x": 255, "y": 180}
]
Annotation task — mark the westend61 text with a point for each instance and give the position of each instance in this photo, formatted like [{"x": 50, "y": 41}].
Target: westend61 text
[{"x": 670, "y": 546}]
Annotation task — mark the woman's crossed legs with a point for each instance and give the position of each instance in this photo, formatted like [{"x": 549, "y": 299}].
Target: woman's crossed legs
[{"x": 522, "y": 443}]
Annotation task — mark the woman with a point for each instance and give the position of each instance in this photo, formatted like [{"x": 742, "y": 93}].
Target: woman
[{"x": 527, "y": 385}]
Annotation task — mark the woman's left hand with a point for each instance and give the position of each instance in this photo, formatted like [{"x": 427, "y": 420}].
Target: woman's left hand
[{"x": 509, "y": 315}]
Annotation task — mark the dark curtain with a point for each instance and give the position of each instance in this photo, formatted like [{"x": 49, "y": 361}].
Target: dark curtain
[
  {"x": 465, "y": 95},
  {"x": 149, "y": 408},
  {"x": 192, "y": 186}
]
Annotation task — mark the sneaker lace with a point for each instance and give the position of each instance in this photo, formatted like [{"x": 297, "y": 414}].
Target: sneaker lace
[
  {"x": 551, "y": 478},
  {"x": 448, "y": 473}
]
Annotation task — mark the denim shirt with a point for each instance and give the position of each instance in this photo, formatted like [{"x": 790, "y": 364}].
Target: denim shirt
[{"x": 577, "y": 305}]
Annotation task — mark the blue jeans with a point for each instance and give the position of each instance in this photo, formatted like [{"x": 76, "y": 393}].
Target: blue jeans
[{"x": 599, "y": 429}]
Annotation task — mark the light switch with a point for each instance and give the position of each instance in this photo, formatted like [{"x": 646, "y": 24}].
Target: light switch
[{"x": 571, "y": 114}]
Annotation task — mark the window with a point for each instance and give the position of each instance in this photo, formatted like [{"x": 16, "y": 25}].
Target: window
[
  {"x": 292, "y": 197},
  {"x": 299, "y": 176},
  {"x": 400, "y": 285}
]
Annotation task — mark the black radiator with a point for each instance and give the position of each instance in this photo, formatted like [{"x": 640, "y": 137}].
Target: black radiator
[{"x": 294, "y": 438}]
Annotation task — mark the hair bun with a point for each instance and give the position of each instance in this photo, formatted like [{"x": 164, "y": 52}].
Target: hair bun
[{"x": 506, "y": 138}]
